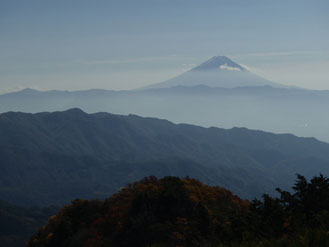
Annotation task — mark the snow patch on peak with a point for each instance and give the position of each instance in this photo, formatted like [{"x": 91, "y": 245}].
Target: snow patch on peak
[{"x": 230, "y": 68}]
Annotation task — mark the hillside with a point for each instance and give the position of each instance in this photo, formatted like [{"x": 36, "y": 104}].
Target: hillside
[
  {"x": 184, "y": 212},
  {"x": 169, "y": 212},
  {"x": 73, "y": 154}
]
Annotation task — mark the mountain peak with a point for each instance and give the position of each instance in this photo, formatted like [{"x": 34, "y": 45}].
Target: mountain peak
[
  {"x": 218, "y": 71},
  {"x": 219, "y": 62},
  {"x": 75, "y": 111},
  {"x": 28, "y": 90}
]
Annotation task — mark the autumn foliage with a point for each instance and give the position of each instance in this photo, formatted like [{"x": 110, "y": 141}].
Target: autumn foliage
[
  {"x": 168, "y": 212},
  {"x": 185, "y": 212}
]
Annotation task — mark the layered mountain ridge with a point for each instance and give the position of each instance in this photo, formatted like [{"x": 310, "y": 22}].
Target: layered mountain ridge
[{"x": 73, "y": 154}]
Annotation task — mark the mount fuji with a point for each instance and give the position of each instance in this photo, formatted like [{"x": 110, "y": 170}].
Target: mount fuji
[{"x": 218, "y": 71}]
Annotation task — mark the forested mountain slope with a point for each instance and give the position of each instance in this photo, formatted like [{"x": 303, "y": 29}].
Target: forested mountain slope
[{"x": 63, "y": 155}]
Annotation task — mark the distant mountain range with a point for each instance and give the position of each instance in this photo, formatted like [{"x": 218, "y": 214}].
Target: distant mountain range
[
  {"x": 217, "y": 93},
  {"x": 52, "y": 158},
  {"x": 278, "y": 110}
]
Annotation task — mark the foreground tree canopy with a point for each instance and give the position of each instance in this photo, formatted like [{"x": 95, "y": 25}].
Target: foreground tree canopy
[{"x": 185, "y": 212}]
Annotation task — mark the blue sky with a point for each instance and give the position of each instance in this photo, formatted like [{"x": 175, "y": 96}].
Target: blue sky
[{"x": 81, "y": 44}]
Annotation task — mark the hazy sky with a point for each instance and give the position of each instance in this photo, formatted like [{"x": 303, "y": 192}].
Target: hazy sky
[{"x": 81, "y": 44}]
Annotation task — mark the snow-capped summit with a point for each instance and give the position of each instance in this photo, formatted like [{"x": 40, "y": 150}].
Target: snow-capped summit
[{"x": 219, "y": 62}]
